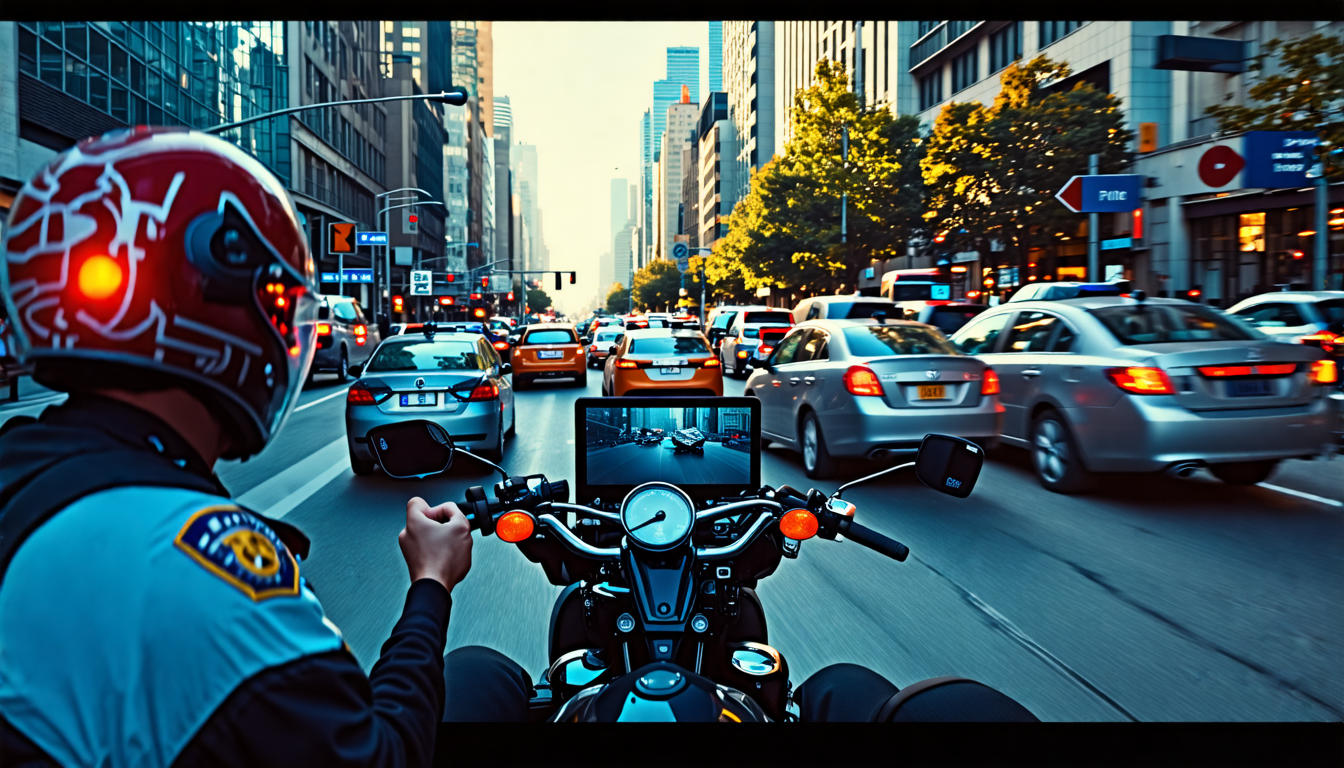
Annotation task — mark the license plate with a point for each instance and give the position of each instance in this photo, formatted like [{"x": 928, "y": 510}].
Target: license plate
[
  {"x": 420, "y": 398},
  {"x": 669, "y": 371},
  {"x": 1250, "y": 388},
  {"x": 933, "y": 392},
  {"x": 547, "y": 354}
]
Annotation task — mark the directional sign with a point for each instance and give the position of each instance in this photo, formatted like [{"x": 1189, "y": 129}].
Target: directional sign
[
  {"x": 330, "y": 277},
  {"x": 340, "y": 237},
  {"x": 371, "y": 238},
  {"x": 1107, "y": 193},
  {"x": 422, "y": 282},
  {"x": 358, "y": 276}
]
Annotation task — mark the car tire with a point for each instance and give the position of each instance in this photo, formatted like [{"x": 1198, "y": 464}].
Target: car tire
[
  {"x": 360, "y": 466},
  {"x": 1244, "y": 472},
  {"x": 519, "y": 382},
  {"x": 513, "y": 425},
  {"x": 817, "y": 462},
  {"x": 1055, "y": 456},
  {"x": 343, "y": 371},
  {"x": 496, "y": 454}
]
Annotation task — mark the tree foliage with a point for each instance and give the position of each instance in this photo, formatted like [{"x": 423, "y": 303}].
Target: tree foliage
[
  {"x": 538, "y": 300},
  {"x": 657, "y": 285},
  {"x": 1306, "y": 81},
  {"x": 618, "y": 299},
  {"x": 992, "y": 172}
]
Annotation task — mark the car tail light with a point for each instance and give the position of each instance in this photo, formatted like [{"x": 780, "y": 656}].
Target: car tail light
[
  {"x": 742, "y": 354},
  {"x": 766, "y": 350},
  {"x": 361, "y": 330},
  {"x": 359, "y": 340},
  {"x": 626, "y": 364},
  {"x": 323, "y": 329},
  {"x": 501, "y": 345},
  {"x": 1141, "y": 381},
  {"x": 485, "y": 392},
  {"x": 1226, "y": 371},
  {"x": 359, "y": 394},
  {"x": 711, "y": 362},
  {"x": 593, "y": 349},
  {"x": 989, "y": 385},
  {"x": 1323, "y": 372},
  {"x": 1317, "y": 338},
  {"x": 860, "y": 380}
]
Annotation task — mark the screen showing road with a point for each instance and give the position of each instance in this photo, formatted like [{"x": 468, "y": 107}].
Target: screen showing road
[{"x": 686, "y": 446}]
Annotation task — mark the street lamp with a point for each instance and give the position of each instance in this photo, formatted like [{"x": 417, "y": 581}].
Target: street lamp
[
  {"x": 456, "y": 97},
  {"x": 701, "y": 266}
]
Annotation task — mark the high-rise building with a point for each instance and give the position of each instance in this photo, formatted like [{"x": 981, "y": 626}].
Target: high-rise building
[
  {"x": 619, "y": 213},
  {"x": 681, "y": 122},
  {"x": 690, "y": 193},
  {"x": 504, "y": 185},
  {"x": 717, "y": 170},
  {"x": 749, "y": 62},
  {"x": 606, "y": 271},
  {"x": 645, "y": 217},
  {"x": 683, "y": 69},
  {"x": 523, "y": 163},
  {"x": 715, "y": 56}
]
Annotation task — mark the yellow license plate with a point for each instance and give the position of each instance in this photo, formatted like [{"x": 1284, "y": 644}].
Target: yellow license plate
[{"x": 933, "y": 392}]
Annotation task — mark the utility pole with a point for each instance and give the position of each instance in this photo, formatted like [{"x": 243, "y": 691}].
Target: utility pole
[
  {"x": 844, "y": 195},
  {"x": 1093, "y": 268}
]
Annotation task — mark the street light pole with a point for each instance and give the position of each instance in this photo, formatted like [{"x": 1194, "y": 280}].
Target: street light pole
[
  {"x": 701, "y": 267},
  {"x": 387, "y": 249},
  {"x": 457, "y": 98}
]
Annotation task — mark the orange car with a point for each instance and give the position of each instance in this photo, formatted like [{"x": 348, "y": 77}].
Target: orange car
[
  {"x": 662, "y": 359},
  {"x": 546, "y": 351}
]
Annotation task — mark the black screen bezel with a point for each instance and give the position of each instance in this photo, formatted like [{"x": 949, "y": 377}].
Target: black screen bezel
[{"x": 614, "y": 493}]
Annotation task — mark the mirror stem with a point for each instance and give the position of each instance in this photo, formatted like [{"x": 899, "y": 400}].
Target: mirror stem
[
  {"x": 496, "y": 467},
  {"x": 866, "y": 479}
]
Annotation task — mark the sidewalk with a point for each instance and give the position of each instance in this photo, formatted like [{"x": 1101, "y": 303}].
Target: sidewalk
[{"x": 33, "y": 398}]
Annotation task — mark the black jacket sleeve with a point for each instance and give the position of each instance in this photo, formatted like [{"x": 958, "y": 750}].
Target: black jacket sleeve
[{"x": 321, "y": 710}]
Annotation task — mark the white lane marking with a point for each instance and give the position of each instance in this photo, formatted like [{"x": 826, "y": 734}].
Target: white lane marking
[
  {"x": 278, "y": 495},
  {"x": 322, "y": 399},
  {"x": 1300, "y": 494}
]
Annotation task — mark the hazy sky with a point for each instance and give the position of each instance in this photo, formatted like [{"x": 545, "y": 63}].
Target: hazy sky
[{"x": 578, "y": 91}]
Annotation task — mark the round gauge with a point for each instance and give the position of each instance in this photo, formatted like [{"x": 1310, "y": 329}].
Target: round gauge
[{"x": 658, "y": 515}]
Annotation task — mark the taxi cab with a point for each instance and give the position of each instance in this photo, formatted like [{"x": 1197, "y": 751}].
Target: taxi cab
[
  {"x": 549, "y": 351},
  {"x": 655, "y": 361}
]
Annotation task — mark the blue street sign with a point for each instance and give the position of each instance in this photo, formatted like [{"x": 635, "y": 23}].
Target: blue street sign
[
  {"x": 1119, "y": 242},
  {"x": 370, "y": 238},
  {"x": 359, "y": 275},
  {"x": 680, "y": 251},
  {"x": 330, "y": 277},
  {"x": 1278, "y": 159},
  {"x": 1110, "y": 193}
]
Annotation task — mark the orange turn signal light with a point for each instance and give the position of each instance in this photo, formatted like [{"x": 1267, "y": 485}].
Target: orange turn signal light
[
  {"x": 798, "y": 524},
  {"x": 626, "y": 364},
  {"x": 1324, "y": 372},
  {"x": 514, "y": 527},
  {"x": 323, "y": 329},
  {"x": 711, "y": 362}
]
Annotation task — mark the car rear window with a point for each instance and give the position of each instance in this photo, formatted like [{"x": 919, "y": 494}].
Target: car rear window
[
  {"x": 1171, "y": 323},
  {"x": 884, "y": 340},
  {"x": 757, "y": 318},
  {"x": 950, "y": 319},
  {"x": 551, "y": 337},
  {"x": 670, "y": 345},
  {"x": 723, "y": 319},
  {"x": 863, "y": 309},
  {"x": 774, "y": 334},
  {"x": 607, "y": 335},
  {"x": 455, "y": 355},
  {"x": 1332, "y": 310}
]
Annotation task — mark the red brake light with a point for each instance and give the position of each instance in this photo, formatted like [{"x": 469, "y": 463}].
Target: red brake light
[
  {"x": 361, "y": 330},
  {"x": 1322, "y": 336},
  {"x": 485, "y": 392},
  {"x": 626, "y": 364},
  {"x": 359, "y": 394},
  {"x": 323, "y": 329},
  {"x": 766, "y": 350},
  {"x": 359, "y": 340},
  {"x": 1323, "y": 372},
  {"x": 989, "y": 385},
  {"x": 501, "y": 345},
  {"x": 1141, "y": 381},
  {"x": 1224, "y": 371},
  {"x": 860, "y": 380},
  {"x": 711, "y": 362}
]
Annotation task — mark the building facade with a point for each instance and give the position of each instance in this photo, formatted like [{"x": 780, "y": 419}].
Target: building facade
[
  {"x": 680, "y": 131},
  {"x": 689, "y": 219},
  {"x": 503, "y": 122},
  {"x": 717, "y": 169},
  {"x": 749, "y": 75},
  {"x": 683, "y": 73},
  {"x": 715, "y": 59}
]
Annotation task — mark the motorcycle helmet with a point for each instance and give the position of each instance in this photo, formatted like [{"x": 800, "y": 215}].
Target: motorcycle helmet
[{"x": 157, "y": 257}]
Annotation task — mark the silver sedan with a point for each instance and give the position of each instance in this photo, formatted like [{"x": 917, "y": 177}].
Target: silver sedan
[
  {"x": 453, "y": 379},
  {"x": 867, "y": 389},
  {"x": 1113, "y": 384}
]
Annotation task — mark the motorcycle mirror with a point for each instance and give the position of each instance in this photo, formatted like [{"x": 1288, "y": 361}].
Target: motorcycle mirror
[
  {"x": 505, "y": 369},
  {"x": 949, "y": 464},
  {"x": 611, "y": 350},
  {"x": 412, "y": 448},
  {"x": 356, "y": 370}
]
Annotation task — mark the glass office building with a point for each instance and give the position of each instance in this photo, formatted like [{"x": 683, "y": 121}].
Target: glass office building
[
  {"x": 715, "y": 56},
  {"x": 198, "y": 74}
]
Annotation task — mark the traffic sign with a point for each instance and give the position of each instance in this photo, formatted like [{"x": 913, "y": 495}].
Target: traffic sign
[
  {"x": 358, "y": 276},
  {"x": 1220, "y": 165},
  {"x": 421, "y": 282},
  {"x": 341, "y": 237},
  {"x": 681, "y": 251},
  {"x": 371, "y": 238},
  {"x": 1279, "y": 159},
  {"x": 1106, "y": 193}
]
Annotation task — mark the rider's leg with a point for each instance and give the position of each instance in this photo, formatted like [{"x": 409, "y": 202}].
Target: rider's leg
[
  {"x": 850, "y": 693},
  {"x": 843, "y": 693},
  {"x": 484, "y": 686}
]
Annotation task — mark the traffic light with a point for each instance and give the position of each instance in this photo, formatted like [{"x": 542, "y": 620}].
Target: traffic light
[
  {"x": 571, "y": 278},
  {"x": 475, "y": 297},
  {"x": 485, "y": 281},
  {"x": 510, "y": 295},
  {"x": 396, "y": 304},
  {"x": 452, "y": 277},
  {"x": 1193, "y": 294},
  {"x": 412, "y": 223},
  {"x": 557, "y": 281},
  {"x": 446, "y": 301},
  {"x": 478, "y": 313}
]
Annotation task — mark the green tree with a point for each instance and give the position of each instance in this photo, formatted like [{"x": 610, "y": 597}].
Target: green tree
[
  {"x": 657, "y": 285},
  {"x": 992, "y": 172},
  {"x": 537, "y": 300},
  {"x": 618, "y": 299},
  {"x": 1307, "y": 80}
]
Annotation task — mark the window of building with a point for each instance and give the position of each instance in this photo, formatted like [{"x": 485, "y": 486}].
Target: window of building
[
  {"x": 930, "y": 90},
  {"x": 965, "y": 70},
  {"x": 1005, "y": 47},
  {"x": 1052, "y": 31}
]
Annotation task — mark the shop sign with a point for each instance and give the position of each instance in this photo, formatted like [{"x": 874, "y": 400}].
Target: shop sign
[{"x": 1279, "y": 159}]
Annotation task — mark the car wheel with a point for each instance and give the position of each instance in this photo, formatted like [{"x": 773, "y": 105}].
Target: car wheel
[
  {"x": 816, "y": 461},
  {"x": 519, "y": 382},
  {"x": 513, "y": 424},
  {"x": 361, "y": 466},
  {"x": 496, "y": 454},
  {"x": 343, "y": 372},
  {"x": 1055, "y": 456},
  {"x": 1244, "y": 472}
]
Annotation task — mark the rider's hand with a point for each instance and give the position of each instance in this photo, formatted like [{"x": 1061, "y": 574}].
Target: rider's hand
[{"x": 436, "y": 542}]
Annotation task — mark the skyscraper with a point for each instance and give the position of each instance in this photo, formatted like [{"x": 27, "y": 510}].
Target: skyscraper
[
  {"x": 646, "y": 185},
  {"x": 715, "y": 56},
  {"x": 619, "y": 212},
  {"x": 683, "y": 68}
]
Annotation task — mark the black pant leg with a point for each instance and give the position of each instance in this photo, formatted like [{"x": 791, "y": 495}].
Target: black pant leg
[
  {"x": 843, "y": 693},
  {"x": 484, "y": 686}
]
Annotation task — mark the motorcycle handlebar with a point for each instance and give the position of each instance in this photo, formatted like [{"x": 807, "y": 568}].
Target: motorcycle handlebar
[{"x": 874, "y": 540}]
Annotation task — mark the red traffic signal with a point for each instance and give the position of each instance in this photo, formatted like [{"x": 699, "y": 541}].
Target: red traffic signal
[
  {"x": 478, "y": 312},
  {"x": 571, "y": 278},
  {"x": 412, "y": 218},
  {"x": 452, "y": 277},
  {"x": 485, "y": 282},
  {"x": 475, "y": 297},
  {"x": 396, "y": 303},
  {"x": 510, "y": 295},
  {"x": 446, "y": 301}
]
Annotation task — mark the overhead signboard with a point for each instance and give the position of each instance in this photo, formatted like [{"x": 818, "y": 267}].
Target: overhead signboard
[
  {"x": 371, "y": 238},
  {"x": 403, "y": 256},
  {"x": 358, "y": 276},
  {"x": 501, "y": 283},
  {"x": 1103, "y": 193},
  {"x": 341, "y": 237},
  {"x": 1279, "y": 159},
  {"x": 422, "y": 282}
]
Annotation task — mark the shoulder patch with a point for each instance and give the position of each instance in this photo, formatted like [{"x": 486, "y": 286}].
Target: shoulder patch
[{"x": 240, "y": 549}]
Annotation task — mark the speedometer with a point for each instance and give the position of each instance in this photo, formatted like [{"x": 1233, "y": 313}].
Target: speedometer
[{"x": 658, "y": 515}]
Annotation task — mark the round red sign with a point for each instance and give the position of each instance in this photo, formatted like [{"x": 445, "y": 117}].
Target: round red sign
[{"x": 1219, "y": 165}]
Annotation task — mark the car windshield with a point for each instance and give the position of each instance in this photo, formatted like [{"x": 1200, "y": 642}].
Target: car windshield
[
  {"x": 669, "y": 345},
  {"x": 864, "y": 309},
  {"x": 950, "y": 319},
  {"x": 607, "y": 335},
  {"x": 884, "y": 340},
  {"x": 1332, "y": 310},
  {"x": 454, "y": 355},
  {"x": 549, "y": 337},
  {"x": 1171, "y": 323},
  {"x": 757, "y": 318}
]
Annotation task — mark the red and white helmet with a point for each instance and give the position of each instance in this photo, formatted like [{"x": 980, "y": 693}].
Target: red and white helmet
[{"x": 152, "y": 258}]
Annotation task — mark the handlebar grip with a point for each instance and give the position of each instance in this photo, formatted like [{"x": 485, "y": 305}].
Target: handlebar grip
[
  {"x": 874, "y": 540},
  {"x": 559, "y": 491},
  {"x": 786, "y": 495}
]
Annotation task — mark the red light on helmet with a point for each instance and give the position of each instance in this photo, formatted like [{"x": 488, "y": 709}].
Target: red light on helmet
[{"x": 99, "y": 277}]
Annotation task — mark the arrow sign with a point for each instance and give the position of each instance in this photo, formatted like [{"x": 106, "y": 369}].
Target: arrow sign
[{"x": 1107, "y": 193}]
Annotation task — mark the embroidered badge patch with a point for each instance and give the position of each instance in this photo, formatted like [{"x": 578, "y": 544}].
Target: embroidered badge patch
[{"x": 241, "y": 550}]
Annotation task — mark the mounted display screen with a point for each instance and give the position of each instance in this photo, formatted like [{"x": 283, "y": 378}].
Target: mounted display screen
[{"x": 707, "y": 446}]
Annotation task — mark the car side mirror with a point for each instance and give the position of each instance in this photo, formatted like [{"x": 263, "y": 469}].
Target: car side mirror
[
  {"x": 412, "y": 448},
  {"x": 356, "y": 370},
  {"x": 505, "y": 369},
  {"x": 949, "y": 464},
  {"x": 586, "y": 340},
  {"x": 611, "y": 350}
]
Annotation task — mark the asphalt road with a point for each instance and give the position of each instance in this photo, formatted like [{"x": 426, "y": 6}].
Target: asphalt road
[
  {"x": 633, "y": 464},
  {"x": 1150, "y": 599}
]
